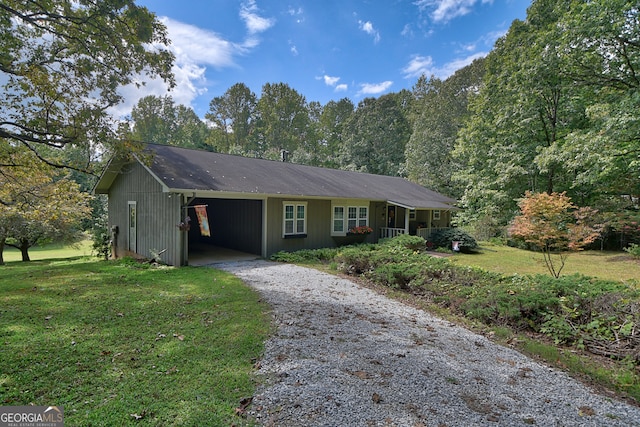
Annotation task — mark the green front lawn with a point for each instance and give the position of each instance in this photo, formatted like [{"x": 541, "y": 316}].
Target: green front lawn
[
  {"x": 121, "y": 343},
  {"x": 615, "y": 266}
]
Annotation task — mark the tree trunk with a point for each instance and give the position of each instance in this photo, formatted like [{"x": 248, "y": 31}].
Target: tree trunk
[
  {"x": 2, "y": 250},
  {"x": 24, "y": 248}
]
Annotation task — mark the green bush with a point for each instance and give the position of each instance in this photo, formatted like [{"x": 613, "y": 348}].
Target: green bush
[
  {"x": 444, "y": 238},
  {"x": 101, "y": 237},
  {"x": 306, "y": 255},
  {"x": 633, "y": 249},
  {"x": 396, "y": 275},
  {"x": 415, "y": 243},
  {"x": 355, "y": 259}
]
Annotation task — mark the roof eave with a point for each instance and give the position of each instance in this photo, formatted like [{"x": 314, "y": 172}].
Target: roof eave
[{"x": 109, "y": 174}]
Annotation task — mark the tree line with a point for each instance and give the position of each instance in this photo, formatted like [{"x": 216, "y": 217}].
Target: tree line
[
  {"x": 553, "y": 108},
  {"x": 370, "y": 137}
]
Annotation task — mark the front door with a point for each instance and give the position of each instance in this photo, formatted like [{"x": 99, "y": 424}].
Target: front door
[{"x": 133, "y": 225}]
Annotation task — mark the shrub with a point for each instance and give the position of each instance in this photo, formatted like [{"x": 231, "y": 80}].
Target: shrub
[
  {"x": 396, "y": 275},
  {"x": 633, "y": 249},
  {"x": 415, "y": 243},
  {"x": 306, "y": 255},
  {"x": 444, "y": 238},
  {"x": 101, "y": 237}
]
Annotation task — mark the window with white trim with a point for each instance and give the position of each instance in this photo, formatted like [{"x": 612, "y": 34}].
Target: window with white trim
[
  {"x": 294, "y": 218},
  {"x": 436, "y": 215},
  {"x": 338, "y": 219},
  {"x": 347, "y": 217}
]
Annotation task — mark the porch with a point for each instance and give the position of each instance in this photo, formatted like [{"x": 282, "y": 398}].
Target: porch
[
  {"x": 415, "y": 222},
  {"x": 424, "y": 232}
]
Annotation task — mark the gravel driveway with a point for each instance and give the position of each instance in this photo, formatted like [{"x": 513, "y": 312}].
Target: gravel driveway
[{"x": 343, "y": 355}]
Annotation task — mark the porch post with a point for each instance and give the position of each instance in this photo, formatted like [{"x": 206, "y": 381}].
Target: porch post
[
  {"x": 406, "y": 221},
  {"x": 265, "y": 222}
]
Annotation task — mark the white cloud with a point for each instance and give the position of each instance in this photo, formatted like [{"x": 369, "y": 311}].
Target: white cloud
[
  {"x": 451, "y": 67},
  {"x": 417, "y": 66},
  {"x": 446, "y": 10},
  {"x": 330, "y": 81},
  {"x": 191, "y": 44},
  {"x": 374, "y": 88},
  {"x": 293, "y": 48},
  {"x": 424, "y": 65},
  {"x": 333, "y": 82},
  {"x": 195, "y": 49},
  {"x": 407, "y": 31},
  {"x": 255, "y": 23},
  {"x": 368, "y": 28},
  {"x": 298, "y": 14},
  {"x": 469, "y": 47}
]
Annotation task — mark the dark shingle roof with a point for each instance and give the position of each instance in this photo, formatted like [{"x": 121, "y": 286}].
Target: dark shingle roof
[{"x": 181, "y": 169}]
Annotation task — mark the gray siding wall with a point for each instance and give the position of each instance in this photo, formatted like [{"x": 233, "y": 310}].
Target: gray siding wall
[
  {"x": 318, "y": 226},
  {"x": 377, "y": 217},
  {"x": 158, "y": 214}
]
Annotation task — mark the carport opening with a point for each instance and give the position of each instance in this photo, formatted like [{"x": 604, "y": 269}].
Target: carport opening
[{"x": 234, "y": 225}]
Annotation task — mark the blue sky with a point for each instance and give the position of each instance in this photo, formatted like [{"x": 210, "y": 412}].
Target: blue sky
[{"x": 324, "y": 49}]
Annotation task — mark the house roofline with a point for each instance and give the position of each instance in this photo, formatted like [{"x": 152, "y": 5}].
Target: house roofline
[{"x": 214, "y": 194}]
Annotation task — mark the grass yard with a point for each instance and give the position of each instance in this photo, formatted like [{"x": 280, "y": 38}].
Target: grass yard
[
  {"x": 120, "y": 343},
  {"x": 615, "y": 266},
  {"x": 54, "y": 250}
]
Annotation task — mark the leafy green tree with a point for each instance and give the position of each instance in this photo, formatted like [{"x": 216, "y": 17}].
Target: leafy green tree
[
  {"x": 311, "y": 151},
  {"x": 331, "y": 130},
  {"x": 555, "y": 226},
  {"x": 190, "y": 130},
  {"x": 441, "y": 108},
  {"x": 376, "y": 134},
  {"x": 234, "y": 116},
  {"x": 283, "y": 120},
  {"x": 526, "y": 108},
  {"x": 62, "y": 64},
  {"x": 601, "y": 41},
  {"x": 154, "y": 119},
  {"x": 158, "y": 120},
  {"x": 37, "y": 203}
]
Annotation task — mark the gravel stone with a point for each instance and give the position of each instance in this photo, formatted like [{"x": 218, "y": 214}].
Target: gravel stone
[{"x": 343, "y": 355}]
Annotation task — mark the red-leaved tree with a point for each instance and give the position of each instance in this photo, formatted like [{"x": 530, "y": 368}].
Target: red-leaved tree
[{"x": 555, "y": 226}]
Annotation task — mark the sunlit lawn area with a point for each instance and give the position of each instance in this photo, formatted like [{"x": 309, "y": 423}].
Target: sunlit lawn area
[
  {"x": 50, "y": 251},
  {"x": 122, "y": 343},
  {"x": 616, "y": 266}
]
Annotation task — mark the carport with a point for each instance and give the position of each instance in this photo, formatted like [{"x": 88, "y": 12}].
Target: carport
[{"x": 235, "y": 226}]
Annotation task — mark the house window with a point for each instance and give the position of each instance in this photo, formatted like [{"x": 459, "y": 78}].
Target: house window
[
  {"x": 436, "y": 215},
  {"x": 412, "y": 214},
  {"x": 338, "y": 219},
  {"x": 356, "y": 216},
  {"x": 295, "y": 219}
]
